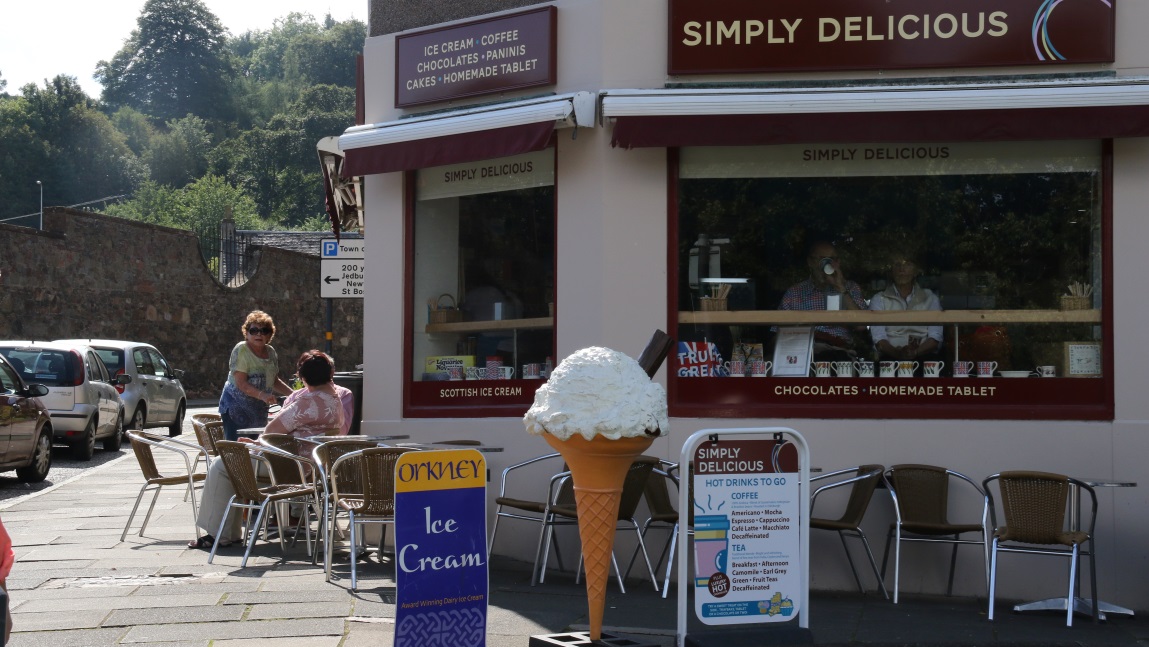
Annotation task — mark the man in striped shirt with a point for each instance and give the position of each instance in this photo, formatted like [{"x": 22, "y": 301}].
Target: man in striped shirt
[{"x": 831, "y": 343}]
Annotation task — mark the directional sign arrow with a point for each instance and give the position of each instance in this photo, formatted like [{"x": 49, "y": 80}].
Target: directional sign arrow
[{"x": 329, "y": 279}]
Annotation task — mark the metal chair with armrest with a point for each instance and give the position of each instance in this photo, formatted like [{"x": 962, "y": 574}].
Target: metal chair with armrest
[
  {"x": 862, "y": 481},
  {"x": 921, "y": 505},
  {"x": 1034, "y": 505},
  {"x": 560, "y": 489},
  {"x": 663, "y": 516},
  {"x": 142, "y": 443}
]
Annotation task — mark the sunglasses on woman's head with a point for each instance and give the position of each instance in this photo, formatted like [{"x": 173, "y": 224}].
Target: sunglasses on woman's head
[{"x": 259, "y": 331}]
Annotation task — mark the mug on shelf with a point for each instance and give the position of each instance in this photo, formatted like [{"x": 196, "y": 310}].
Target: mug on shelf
[
  {"x": 475, "y": 372},
  {"x": 1047, "y": 371},
  {"x": 933, "y": 368},
  {"x": 456, "y": 372},
  {"x": 531, "y": 371},
  {"x": 760, "y": 368},
  {"x": 907, "y": 368},
  {"x": 986, "y": 369},
  {"x": 888, "y": 369},
  {"x": 865, "y": 369},
  {"x": 844, "y": 369},
  {"x": 821, "y": 369},
  {"x": 962, "y": 369},
  {"x": 501, "y": 373},
  {"x": 736, "y": 368},
  {"x": 494, "y": 363}
]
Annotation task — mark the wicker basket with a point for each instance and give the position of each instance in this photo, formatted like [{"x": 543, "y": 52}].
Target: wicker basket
[
  {"x": 1076, "y": 303},
  {"x": 711, "y": 304},
  {"x": 446, "y": 312}
]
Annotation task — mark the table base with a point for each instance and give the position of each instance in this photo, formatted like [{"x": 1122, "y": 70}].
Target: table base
[{"x": 1084, "y": 606}]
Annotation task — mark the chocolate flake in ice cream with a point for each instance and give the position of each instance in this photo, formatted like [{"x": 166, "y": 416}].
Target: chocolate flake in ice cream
[{"x": 598, "y": 392}]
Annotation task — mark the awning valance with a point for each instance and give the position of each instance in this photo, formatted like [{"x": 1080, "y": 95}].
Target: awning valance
[
  {"x": 463, "y": 135},
  {"x": 1053, "y": 109}
]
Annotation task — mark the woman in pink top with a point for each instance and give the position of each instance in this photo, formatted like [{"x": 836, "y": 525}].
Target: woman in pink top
[
  {"x": 7, "y": 557},
  {"x": 317, "y": 407}
]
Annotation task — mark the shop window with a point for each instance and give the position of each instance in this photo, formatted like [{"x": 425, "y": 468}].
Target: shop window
[
  {"x": 1004, "y": 234},
  {"x": 482, "y": 287}
]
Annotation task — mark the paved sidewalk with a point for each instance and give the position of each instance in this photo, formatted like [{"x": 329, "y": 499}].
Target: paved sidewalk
[{"x": 75, "y": 583}]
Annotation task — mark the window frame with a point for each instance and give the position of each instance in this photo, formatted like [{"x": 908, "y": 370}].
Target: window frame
[{"x": 1057, "y": 399}]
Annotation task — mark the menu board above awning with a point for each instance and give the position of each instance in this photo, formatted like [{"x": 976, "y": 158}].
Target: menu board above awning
[
  {"x": 1068, "y": 108},
  {"x": 463, "y": 135}
]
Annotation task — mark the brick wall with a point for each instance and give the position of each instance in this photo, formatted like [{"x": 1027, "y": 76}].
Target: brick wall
[{"x": 91, "y": 275}]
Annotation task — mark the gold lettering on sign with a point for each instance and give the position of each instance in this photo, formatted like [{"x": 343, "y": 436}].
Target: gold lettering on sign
[{"x": 717, "y": 33}]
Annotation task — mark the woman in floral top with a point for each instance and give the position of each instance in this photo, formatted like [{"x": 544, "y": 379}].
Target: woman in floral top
[
  {"x": 318, "y": 408},
  {"x": 253, "y": 377}
]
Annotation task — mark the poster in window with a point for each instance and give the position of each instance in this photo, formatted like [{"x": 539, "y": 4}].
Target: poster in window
[
  {"x": 1082, "y": 359},
  {"x": 793, "y": 350}
]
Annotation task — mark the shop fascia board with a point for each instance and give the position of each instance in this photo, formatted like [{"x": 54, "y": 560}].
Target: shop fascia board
[
  {"x": 1112, "y": 91},
  {"x": 574, "y": 110}
]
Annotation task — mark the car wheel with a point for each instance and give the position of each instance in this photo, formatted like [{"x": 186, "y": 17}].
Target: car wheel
[
  {"x": 177, "y": 427},
  {"x": 37, "y": 470},
  {"x": 83, "y": 448},
  {"x": 139, "y": 419},
  {"x": 115, "y": 441}
]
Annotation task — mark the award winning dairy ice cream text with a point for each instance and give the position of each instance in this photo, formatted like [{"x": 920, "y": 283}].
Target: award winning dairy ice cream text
[{"x": 598, "y": 392}]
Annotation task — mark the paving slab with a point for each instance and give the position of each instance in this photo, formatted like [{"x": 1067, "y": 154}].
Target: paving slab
[
  {"x": 233, "y": 630},
  {"x": 295, "y": 641},
  {"x": 72, "y": 638},
  {"x": 130, "y": 602},
  {"x": 308, "y": 595},
  {"x": 300, "y": 610},
  {"x": 172, "y": 615},
  {"x": 63, "y": 618}
]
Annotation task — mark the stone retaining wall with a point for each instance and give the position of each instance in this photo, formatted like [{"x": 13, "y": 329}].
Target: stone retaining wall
[{"x": 91, "y": 275}]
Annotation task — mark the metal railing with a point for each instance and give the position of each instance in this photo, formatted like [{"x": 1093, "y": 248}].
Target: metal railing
[{"x": 230, "y": 257}]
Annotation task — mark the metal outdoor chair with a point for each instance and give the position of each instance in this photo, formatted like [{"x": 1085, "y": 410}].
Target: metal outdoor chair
[
  {"x": 325, "y": 454},
  {"x": 1034, "y": 505},
  {"x": 663, "y": 516},
  {"x": 560, "y": 490},
  {"x": 373, "y": 503},
  {"x": 142, "y": 444},
  {"x": 632, "y": 491},
  {"x": 208, "y": 429},
  {"x": 921, "y": 505},
  {"x": 862, "y": 481},
  {"x": 237, "y": 459}
]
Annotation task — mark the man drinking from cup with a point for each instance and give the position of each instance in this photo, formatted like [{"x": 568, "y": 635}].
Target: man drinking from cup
[{"x": 826, "y": 289}]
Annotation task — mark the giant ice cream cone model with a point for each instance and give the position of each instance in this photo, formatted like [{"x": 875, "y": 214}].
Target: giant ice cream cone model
[
  {"x": 600, "y": 410},
  {"x": 598, "y": 467}
]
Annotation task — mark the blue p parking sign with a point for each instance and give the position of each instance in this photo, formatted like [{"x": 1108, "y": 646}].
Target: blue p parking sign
[{"x": 330, "y": 249}]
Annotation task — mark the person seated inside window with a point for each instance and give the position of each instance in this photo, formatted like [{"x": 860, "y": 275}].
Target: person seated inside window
[
  {"x": 831, "y": 343},
  {"x": 906, "y": 341}
]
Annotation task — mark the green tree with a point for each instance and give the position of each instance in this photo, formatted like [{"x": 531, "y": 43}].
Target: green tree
[
  {"x": 137, "y": 129},
  {"x": 200, "y": 206},
  {"x": 173, "y": 64},
  {"x": 179, "y": 156}
]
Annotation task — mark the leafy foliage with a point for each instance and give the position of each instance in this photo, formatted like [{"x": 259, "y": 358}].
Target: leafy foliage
[{"x": 190, "y": 118}]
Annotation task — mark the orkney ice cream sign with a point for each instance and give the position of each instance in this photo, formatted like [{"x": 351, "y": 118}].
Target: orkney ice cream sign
[
  {"x": 731, "y": 36},
  {"x": 746, "y": 532},
  {"x": 440, "y": 549}
]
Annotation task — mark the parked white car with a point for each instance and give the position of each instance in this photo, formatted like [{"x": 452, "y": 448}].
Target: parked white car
[
  {"x": 82, "y": 400},
  {"x": 154, "y": 397}
]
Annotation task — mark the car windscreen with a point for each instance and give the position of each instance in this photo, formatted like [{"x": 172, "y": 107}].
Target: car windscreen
[
  {"x": 113, "y": 358},
  {"x": 42, "y": 366}
]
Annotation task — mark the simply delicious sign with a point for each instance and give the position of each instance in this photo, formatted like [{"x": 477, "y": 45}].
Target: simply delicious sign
[
  {"x": 746, "y": 532},
  {"x": 441, "y": 549},
  {"x": 804, "y": 35}
]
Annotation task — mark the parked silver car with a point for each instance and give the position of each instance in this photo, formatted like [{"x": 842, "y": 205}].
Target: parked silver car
[
  {"x": 155, "y": 397},
  {"x": 83, "y": 403}
]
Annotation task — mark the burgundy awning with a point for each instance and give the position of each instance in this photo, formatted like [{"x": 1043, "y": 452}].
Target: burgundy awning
[
  {"x": 448, "y": 149},
  {"x": 1092, "y": 122}
]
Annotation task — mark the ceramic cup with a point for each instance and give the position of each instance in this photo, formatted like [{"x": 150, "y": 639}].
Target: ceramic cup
[
  {"x": 531, "y": 371},
  {"x": 962, "y": 369},
  {"x": 475, "y": 372},
  {"x": 907, "y": 368},
  {"x": 760, "y": 368},
  {"x": 736, "y": 368},
  {"x": 1047, "y": 371},
  {"x": 888, "y": 369},
  {"x": 456, "y": 372},
  {"x": 933, "y": 369},
  {"x": 986, "y": 369},
  {"x": 865, "y": 369},
  {"x": 821, "y": 369},
  {"x": 501, "y": 373},
  {"x": 844, "y": 369}
]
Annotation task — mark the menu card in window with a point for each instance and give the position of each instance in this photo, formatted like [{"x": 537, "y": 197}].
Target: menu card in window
[
  {"x": 793, "y": 349},
  {"x": 1082, "y": 359}
]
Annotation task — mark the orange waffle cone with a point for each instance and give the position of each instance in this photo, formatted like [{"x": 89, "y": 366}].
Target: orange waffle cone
[{"x": 598, "y": 468}]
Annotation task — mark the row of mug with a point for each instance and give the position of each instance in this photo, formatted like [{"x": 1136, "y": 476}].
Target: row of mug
[{"x": 530, "y": 372}]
